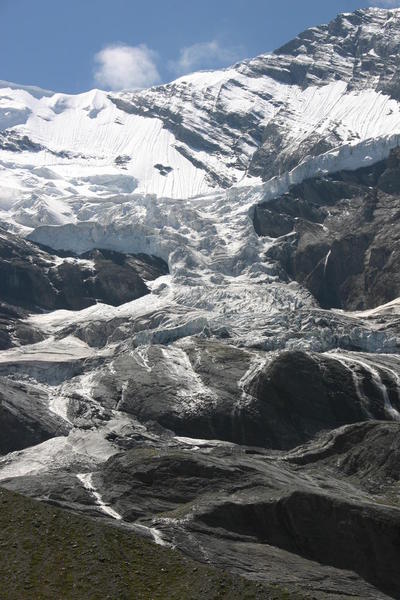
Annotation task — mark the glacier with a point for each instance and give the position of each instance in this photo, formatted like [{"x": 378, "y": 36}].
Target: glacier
[{"x": 177, "y": 172}]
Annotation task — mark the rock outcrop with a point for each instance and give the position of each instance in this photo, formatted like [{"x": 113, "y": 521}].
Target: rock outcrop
[
  {"x": 34, "y": 279},
  {"x": 338, "y": 235},
  {"x": 307, "y": 503}
]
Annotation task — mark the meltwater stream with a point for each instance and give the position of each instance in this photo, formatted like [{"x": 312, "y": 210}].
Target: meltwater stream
[{"x": 391, "y": 412}]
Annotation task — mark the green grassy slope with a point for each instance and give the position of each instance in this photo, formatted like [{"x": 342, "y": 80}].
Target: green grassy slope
[{"x": 48, "y": 553}]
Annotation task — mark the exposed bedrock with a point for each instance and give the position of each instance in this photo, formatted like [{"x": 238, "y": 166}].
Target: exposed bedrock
[
  {"x": 13, "y": 327},
  {"x": 368, "y": 453},
  {"x": 191, "y": 387},
  {"x": 25, "y": 419},
  {"x": 312, "y": 502},
  {"x": 34, "y": 279},
  {"x": 147, "y": 482},
  {"x": 314, "y": 518},
  {"x": 300, "y": 394},
  {"x": 200, "y": 388},
  {"x": 339, "y": 235},
  {"x": 321, "y": 527},
  {"x": 211, "y": 390}
]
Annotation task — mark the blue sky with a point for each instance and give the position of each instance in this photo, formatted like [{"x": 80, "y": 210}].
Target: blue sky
[{"x": 75, "y": 45}]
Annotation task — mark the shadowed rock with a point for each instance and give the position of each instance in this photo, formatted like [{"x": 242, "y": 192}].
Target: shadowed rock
[{"x": 344, "y": 243}]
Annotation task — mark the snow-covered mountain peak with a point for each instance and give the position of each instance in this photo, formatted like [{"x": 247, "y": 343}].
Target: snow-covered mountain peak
[
  {"x": 34, "y": 90},
  {"x": 332, "y": 85},
  {"x": 354, "y": 47}
]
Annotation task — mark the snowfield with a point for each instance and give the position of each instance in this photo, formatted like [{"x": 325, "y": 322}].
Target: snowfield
[{"x": 195, "y": 135}]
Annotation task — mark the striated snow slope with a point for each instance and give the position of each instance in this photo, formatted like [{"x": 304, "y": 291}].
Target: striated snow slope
[{"x": 332, "y": 85}]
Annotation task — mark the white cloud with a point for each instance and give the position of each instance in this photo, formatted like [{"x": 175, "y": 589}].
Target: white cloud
[
  {"x": 120, "y": 67},
  {"x": 204, "y": 55}
]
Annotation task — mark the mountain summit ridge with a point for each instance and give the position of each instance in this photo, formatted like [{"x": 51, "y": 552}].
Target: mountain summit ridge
[{"x": 332, "y": 85}]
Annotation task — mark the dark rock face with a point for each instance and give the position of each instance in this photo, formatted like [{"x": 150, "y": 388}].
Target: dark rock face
[
  {"x": 163, "y": 483},
  {"x": 206, "y": 389},
  {"x": 34, "y": 279},
  {"x": 342, "y": 235},
  {"x": 163, "y": 169},
  {"x": 322, "y": 528},
  {"x": 13, "y": 328},
  {"x": 24, "y": 417},
  {"x": 117, "y": 278},
  {"x": 13, "y": 142},
  {"x": 191, "y": 388},
  {"x": 122, "y": 160},
  {"x": 309, "y": 503},
  {"x": 300, "y": 394},
  {"x": 367, "y": 452}
]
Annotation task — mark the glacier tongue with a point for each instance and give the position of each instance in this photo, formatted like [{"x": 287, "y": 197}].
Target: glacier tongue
[{"x": 219, "y": 276}]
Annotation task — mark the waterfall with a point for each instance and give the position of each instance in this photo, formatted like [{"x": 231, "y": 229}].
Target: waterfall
[
  {"x": 390, "y": 408},
  {"x": 390, "y": 411},
  {"x": 326, "y": 261},
  {"x": 155, "y": 533},
  {"x": 344, "y": 360},
  {"x": 87, "y": 480}
]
